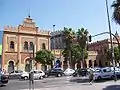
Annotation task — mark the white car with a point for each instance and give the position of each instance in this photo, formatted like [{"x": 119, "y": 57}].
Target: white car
[
  {"x": 37, "y": 74},
  {"x": 69, "y": 72},
  {"x": 17, "y": 72},
  {"x": 103, "y": 73}
]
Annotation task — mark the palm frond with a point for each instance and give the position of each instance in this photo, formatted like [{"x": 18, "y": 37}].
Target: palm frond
[{"x": 116, "y": 12}]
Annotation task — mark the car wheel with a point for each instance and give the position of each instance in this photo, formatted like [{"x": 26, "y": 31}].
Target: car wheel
[
  {"x": 25, "y": 78},
  {"x": 40, "y": 77},
  {"x": 59, "y": 75},
  {"x": 46, "y": 76},
  {"x": 99, "y": 78},
  {"x": 112, "y": 77}
]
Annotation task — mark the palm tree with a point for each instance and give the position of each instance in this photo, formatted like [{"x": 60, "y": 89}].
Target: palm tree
[
  {"x": 69, "y": 36},
  {"x": 82, "y": 40},
  {"x": 116, "y": 12}
]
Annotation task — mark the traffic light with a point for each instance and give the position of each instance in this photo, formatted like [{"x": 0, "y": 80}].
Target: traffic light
[{"x": 90, "y": 38}]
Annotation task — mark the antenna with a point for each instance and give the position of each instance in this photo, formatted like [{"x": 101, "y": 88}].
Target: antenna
[{"x": 29, "y": 13}]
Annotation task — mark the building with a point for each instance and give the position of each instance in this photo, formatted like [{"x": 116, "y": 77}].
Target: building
[
  {"x": 0, "y": 55},
  {"x": 91, "y": 61},
  {"x": 18, "y": 42},
  {"x": 101, "y": 47},
  {"x": 58, "y": 44},
  {"x": 57, "y": 40}
]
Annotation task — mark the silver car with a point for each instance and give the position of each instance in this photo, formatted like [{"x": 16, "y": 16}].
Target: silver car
[{"x": 103, "y": 73}]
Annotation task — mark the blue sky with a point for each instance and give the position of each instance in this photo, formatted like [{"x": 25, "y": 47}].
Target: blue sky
[{"x": 90, "y": 14}]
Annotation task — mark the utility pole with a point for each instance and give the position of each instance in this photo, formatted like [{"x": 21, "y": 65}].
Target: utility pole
[
  {"x": 31, "y": 74},
  {"x": 112, "y": 48},
  {"x": 54, "y": 42}
]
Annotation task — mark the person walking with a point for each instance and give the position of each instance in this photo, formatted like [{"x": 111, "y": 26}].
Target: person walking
[{"x": 91, "y": 77}]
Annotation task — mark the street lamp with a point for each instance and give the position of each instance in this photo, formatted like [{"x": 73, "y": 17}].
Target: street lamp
[
  {"x": 31, "y": 74},
  {"x": 112, "y": 49},
  {"x": 54, "y": 42}
]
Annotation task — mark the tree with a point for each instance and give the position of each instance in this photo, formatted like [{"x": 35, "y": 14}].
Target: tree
[
  {"x": 69, "y": 36},
  {"x": 116, "y": 12},
  {"x": 45, "y": 57},
  {"x": 82, "y": 40},
  {"x": 116, "y": 53},
  {"x": 76, "y": 54}
]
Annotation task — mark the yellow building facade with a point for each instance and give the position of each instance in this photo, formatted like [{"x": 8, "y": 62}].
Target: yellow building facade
[{"x": 17, "y": 45}]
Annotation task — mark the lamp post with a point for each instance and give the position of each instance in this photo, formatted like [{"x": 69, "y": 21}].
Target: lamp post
[
  {"x": 112, "y": 49},
  {"x": 31, "y": 74},
  {"x": 54, "y": 42}
]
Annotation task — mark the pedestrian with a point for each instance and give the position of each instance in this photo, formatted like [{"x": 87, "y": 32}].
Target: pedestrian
[
  {"x": 91, "y": 76},
  {"x": 4, "y": 71}
]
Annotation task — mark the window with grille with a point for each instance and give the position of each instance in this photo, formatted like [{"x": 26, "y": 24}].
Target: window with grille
[
  {"x": 25, "y": 45},
  {"x": 11, "y": 45}
]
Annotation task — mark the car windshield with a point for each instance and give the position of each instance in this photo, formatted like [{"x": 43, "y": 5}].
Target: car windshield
[{"x": 97, "y": 70}]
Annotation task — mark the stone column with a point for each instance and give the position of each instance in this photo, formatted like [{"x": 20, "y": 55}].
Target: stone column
[{"x": 4, "y": 45}]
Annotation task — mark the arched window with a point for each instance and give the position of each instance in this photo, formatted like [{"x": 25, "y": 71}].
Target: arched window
[
  {"x": 25, "y": 45},
  {"x": 31, "y": 45},
  {"x": 11, "y": 45},
  {"x": 43, "y": 46}
]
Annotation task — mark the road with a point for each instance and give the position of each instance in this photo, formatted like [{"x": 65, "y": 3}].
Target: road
[{"x": 62, "y": 83}]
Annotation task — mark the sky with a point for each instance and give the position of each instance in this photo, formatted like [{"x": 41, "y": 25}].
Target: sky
[{"x": 89, "y": 14}]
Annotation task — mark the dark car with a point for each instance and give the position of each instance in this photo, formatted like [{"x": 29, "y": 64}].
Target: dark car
[
  {"x": 3, "y": 78},
  {"x": 80, "y": 72},
  {"x": 54, "y": 72}
]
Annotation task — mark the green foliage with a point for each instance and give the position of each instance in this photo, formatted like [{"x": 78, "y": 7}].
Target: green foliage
[
  {"x": 117, "y": 54},
  {"x": 75, "y": 51},
  {"x": 82, "y": 37},
  {"x": 69, "y": 36},
  {"x": 116, "y": 12},
  {"x": 45, "y": 57}
]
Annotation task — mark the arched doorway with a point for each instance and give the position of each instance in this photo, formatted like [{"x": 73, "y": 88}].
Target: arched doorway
[
  {"x": 95, "y": 63},
  {"x": 27, "y": 65},
  {"x": 78, "y": 64},
  {"x": 57, "y": 64},
  {"x": 90, "y": 63},
  {"x": 11, "y": 67}
]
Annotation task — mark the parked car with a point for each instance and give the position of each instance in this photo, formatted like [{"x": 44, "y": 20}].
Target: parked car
[
  {"x": 3, "y": 78},
  {"x": 16, "y": 74},
  {"x": 80, "y": 72},
  {"x": 37, "y": 74},
  {"x": 117, "y": 71},
  {"x": 54, "y": 72},
  {"x": 103, "y": 73},
  {"x": 69, "y": 72}
]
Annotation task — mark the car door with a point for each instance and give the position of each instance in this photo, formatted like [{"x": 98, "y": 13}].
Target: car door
[
  {"x": 36, "y": 75},
  {"x": 106, "y": 73},
  {"x": 41, "y": 73},
  {"x": 52, "y": 72}
]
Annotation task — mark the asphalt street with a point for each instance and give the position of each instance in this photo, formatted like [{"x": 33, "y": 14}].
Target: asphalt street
[{"x": 62, "y": 83}]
